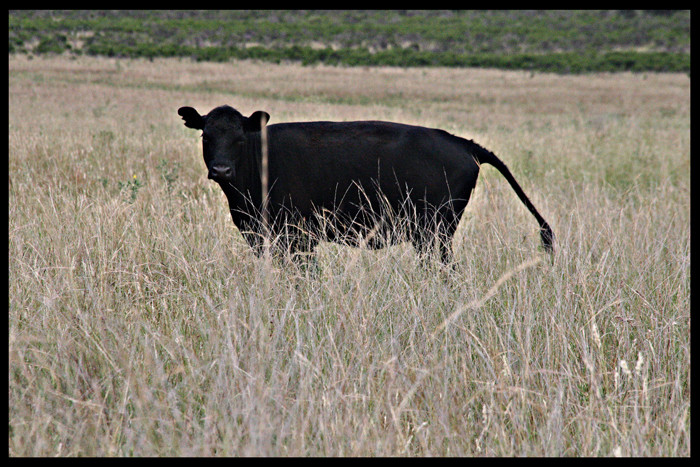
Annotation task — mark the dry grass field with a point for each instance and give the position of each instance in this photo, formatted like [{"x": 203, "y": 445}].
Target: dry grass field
[{"x": 140, "y": 324}]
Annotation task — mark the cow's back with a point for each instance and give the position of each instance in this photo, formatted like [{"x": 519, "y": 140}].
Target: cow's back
[{"x": 321, "y": 164}]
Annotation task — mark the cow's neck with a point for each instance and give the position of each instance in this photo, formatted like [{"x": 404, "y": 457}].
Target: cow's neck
[{"x": 245, "y": 195}]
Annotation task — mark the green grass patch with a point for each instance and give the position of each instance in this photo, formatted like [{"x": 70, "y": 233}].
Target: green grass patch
[{"x": 560, "y": 42}]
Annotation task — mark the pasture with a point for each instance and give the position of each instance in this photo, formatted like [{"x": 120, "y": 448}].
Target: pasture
[{"x": 141, "y": 324}]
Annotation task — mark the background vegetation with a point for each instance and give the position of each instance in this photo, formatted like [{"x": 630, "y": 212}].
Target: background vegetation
[
  {"x": 139, "y": 322},
  {"x": 556, "y": 41}
]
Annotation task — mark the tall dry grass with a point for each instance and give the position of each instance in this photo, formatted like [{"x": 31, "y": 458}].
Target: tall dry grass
[{"x": 141, "y": 324}]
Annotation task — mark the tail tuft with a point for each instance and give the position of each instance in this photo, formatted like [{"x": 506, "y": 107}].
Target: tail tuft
[{"x": 547, "y": 238}]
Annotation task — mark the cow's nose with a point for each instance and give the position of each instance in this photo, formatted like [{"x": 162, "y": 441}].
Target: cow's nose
[{"x": 221, "y": 173}]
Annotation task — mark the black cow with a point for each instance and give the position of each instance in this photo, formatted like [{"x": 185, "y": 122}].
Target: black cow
[{"x": 365, "y": 183}]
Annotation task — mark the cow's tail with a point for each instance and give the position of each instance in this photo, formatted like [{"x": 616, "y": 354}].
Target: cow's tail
[{"x": 484, "y": 156}]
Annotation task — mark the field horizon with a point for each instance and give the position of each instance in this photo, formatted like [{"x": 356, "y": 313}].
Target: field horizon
[
  {"x": 563, "y": 41},
  {"x": 141, "y": 324}
]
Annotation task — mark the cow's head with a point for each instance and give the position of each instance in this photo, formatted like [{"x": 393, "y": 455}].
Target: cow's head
[{"x": 224, "y": 136}]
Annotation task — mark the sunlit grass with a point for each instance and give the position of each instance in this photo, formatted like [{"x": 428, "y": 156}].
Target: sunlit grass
[{"x": 141, "y": 324}]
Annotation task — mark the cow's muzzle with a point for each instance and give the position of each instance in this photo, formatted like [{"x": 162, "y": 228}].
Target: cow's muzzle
[{"x": 221, "y": 173}]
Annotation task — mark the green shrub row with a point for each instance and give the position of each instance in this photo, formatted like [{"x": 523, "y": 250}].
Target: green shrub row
[
  {"x": 556, "y": 62},
  {"x": 499, "y": 31},
  {"x": 557, "y": 41}
]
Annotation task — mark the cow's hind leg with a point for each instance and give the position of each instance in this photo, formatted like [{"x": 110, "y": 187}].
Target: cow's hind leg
[{"x": 432, "y": 239}]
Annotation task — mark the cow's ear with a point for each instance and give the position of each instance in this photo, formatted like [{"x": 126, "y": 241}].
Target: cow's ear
[
  {"x": 191, "y": 117},
  {"x": 257, "y": 120}
]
